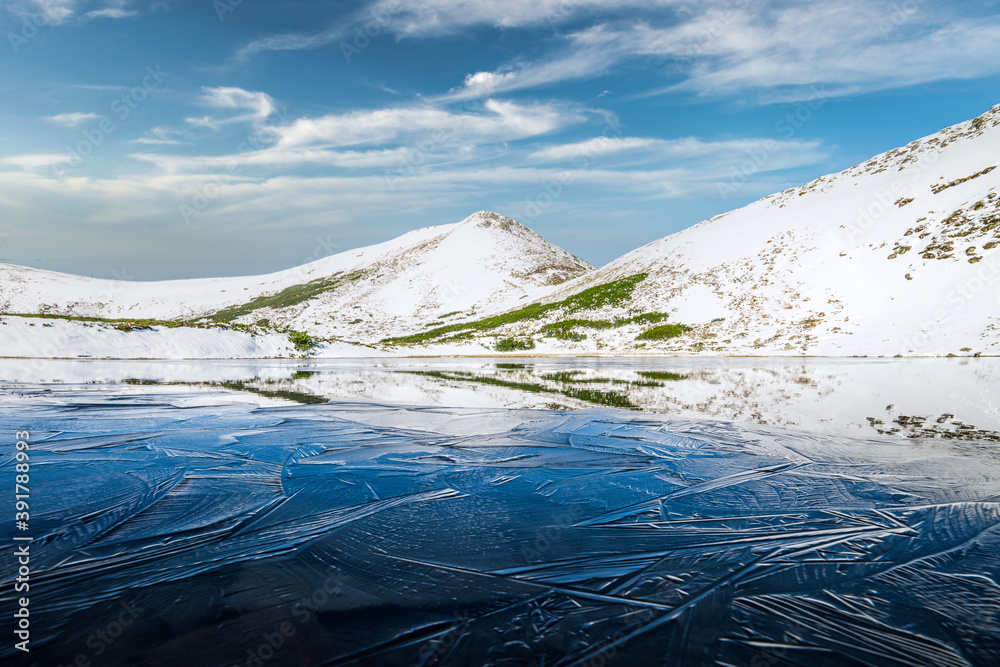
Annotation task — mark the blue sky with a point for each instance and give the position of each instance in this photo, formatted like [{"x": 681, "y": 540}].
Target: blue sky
[{"x": 184, "y": 138}]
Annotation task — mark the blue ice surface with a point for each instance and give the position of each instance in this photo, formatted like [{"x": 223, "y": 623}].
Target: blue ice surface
[{"x": 190, "y": 529}]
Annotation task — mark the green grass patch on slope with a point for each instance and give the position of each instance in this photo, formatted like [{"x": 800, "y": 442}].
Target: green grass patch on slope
[
  {"x": 564, "y": 329},
  {"x": 302, "y": 341},
  {"x": 514, "y": 344},
  {"x": 614, "y": 293},
  {"x": 664, "y": 332},
  {"x": 123, "y": 324},
  {"x": 289, "y": 296}
]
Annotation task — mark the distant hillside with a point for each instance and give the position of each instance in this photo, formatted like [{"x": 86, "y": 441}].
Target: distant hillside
[{"x": 487, "y": 263}]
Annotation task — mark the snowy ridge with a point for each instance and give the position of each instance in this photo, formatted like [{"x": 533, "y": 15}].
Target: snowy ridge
[
  {"x": 898, "y": 255},
  {"x": 485, "y": 264}
]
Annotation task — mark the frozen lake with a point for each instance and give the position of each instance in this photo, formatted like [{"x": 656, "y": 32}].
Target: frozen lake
[{"x": 507, "y": 512}]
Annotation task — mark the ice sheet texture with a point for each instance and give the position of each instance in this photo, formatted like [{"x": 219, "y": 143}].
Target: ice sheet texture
[{"x": 357, "y": 533}]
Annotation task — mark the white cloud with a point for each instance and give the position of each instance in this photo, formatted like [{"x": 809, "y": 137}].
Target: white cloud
[
  {"x": 481, "y": 84},
  {"x": 290, "y": 42},
  {"x": 257, "y": 106},
  {"x": 112, "y": 13},
  {"x": 591, "y": 148},
  {"x": 408, "y": 137},
  {"x": 585, "y": 55},
  {"x": 689, "y": 154},
  {"x": 434, "y": 17},
  {"x": 279, "y": 158},
  {"x": 159, "y": 136},
  {"x": 55, "y": 12},
  {"x": 34, "y": 161},
  {"x": 850, "y": 47},
  {"x": 501, "y": 121},
  {"x": 73, "y": 119}
]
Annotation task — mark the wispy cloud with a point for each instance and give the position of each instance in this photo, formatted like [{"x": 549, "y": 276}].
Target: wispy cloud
[
  {"x": 55, "y": 12},
  {"x": 482, "y": 84},
  {"x": 112, "y": 13},
  {"x": 596, "y": 147},
  {"x": 436, "y": 17},
  {"x": 498, "y": 121},
  {"x": 772, "y": 50},
  {"x": 160, "y": 136},
  {"x": 432, "y": 18},
  {"x": 708, "y": 157},
  {"x": 72, "y": 119},
  {"x": 279, "y": 158},
  {"x": 290, "y": 42},
  {"x": 34, "y": 161},
  {"x": 256, "y": 105},
  {"x": 278, "y": 201},
  {"x": 849, "y": 47},
  {"x": 424, "y": 135},
  {"x": 586, "y": 55}
]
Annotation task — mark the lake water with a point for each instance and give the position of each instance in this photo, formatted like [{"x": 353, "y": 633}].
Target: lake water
[{"x": 506, "y": 512}]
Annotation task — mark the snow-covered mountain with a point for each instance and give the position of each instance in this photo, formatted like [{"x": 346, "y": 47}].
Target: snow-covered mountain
[
  {"x": 485, "y": 264},
  {"x": 898, "y": 255}
]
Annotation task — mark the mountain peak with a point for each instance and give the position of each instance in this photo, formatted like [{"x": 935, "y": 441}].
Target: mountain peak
[{"x": 488, "y": 219}]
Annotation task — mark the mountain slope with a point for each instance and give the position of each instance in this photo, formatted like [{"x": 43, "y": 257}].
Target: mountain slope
[
  {"x": 486, "y": 263},
  {"x": 898, "y": 255}
]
